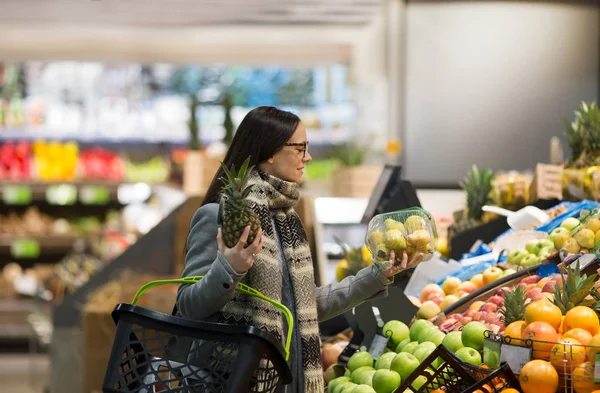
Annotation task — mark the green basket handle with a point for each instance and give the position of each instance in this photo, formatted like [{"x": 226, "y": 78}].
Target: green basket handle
[{"x": 242, "y": 288}]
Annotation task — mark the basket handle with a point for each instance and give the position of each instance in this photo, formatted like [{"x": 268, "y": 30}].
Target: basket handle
[{"x": 242, "y": 288}]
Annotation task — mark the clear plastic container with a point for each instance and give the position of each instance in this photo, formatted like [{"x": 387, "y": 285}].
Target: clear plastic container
[{"x": 412, "y": 230}]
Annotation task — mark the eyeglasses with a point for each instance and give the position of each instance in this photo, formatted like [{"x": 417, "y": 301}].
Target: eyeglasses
[{"x": 304, "y": 146}]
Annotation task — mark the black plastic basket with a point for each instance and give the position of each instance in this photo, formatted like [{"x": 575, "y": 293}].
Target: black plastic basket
[
  {"x": 154, "y": 352},
  {"x": 498, "y": 380},
  {"x": 451, "y": 375}
]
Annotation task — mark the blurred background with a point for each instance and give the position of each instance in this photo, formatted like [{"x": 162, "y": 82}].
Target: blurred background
[{"x": 114, "y": 115}]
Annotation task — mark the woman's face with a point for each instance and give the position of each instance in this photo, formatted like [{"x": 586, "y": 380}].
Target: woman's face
[{"x": 288, "y": 163}]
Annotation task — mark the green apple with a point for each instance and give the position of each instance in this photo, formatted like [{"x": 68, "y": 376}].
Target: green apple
[
  {"x": 416, "y": 328},
  {"x": 348, "y": 387},
  {"x": 333, "y": 384},
  {"x": 546, "y": 252},
  {"x": 469, "y": 355},
  {"x": 359, "y": 372},
  {"x": 570, "y": 223},
  {"x": 438, "y": 338},
  {"x": 530, "y": 260},
  {"x": 472, "y": 335},
  {"x": 400, "y": 346},
  {"x": 531, "y": 245},
  {"x": 340, "y": 387},
  {"x": 516, "y": 256},
  {"x": 348, "y": 373},
  {"x": 404, "y": 364},
  {"x": 385, "y": 361},
  {"x": 508, "y": 272},
  {"x": 453, "y": 341},
  {"x": 396, "y": 331},
  {"x": 360, "y": 359},
  {"x": 555, "y": 232},
  {"x": 410, "y": 347},
  {"x": 426, "y": 334},
  {"x": 364, "y": 389},
  {"x": 561, "y": 238},
  {"x": 422, "y": 348},
  {"x": 419, "y": 382},
  {"x": 386, "y": 381},
  {"x": 491, "y": 358},
  {"x": 541, "y": 244}
]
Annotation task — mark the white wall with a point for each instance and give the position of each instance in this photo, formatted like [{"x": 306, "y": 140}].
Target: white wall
[{"x": 490, "y": 83}]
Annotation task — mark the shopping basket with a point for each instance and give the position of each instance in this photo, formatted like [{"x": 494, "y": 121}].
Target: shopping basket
[{"x": 154, "y": 352}]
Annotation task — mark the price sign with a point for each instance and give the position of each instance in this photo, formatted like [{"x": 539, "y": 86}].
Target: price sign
[
  {"x": 94, "y": 195},
  {"x": 515, "y": 356},
  {"x": 25, "y": 249},
  {"x": 378, "y": 346},
  {"x": 16, "y": 195},
  {"x": 61, "y": 194}
]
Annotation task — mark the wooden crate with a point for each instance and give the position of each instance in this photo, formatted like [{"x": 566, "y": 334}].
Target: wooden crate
[{"x": 355, "y": 182}]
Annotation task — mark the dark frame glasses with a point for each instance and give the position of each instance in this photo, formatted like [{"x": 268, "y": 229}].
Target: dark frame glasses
[{"x": 303, "y": 144}]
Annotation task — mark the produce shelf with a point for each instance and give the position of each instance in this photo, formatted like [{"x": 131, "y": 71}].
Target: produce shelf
[{"x": 31, "y": 247}]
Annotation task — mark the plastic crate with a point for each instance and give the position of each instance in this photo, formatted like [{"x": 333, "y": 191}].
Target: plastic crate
[
  {"x": 154, "y": 353},
  {"x": 450, "y": 374},
  {"x": 496, "y": 381}
]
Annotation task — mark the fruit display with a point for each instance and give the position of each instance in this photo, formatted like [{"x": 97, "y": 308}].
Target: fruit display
[
  {"x": 534, "y": 252},
  {"x": 511, "y": 190},
  {"x": 35, "y": 223},
  {"x": 155, "y": 170},
  {"x": 101, "y": 164},
  {"x": 15, "y": 161},
  {"x": 411, "y": 230},
  {"x": 55, "y": 161},
  {"x": 355, "y": 258}
]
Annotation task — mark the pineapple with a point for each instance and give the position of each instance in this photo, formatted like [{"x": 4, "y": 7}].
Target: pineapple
[
  {"x": 478, "y": 186},
  {"x": 514, "y": 306},
  {"x": 574, "y": 290},
  {"x": 235, "y": 212}
]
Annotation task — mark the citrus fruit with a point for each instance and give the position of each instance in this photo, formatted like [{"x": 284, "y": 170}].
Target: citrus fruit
[
  {"x": 515, "y": 330},
  {"x": 583, "y": 378},
  {"x": 582, "y": 317},
  {"x": 538, "y": 376},
  {"x": 544, "y": 337},
  {"x": 543, "y": 311},
  {"x": 583, "y": 336},
  {"x": 593, "y": 348},
  {"x": 510, "y": 390},
  {"x": 567, "y": 355}
]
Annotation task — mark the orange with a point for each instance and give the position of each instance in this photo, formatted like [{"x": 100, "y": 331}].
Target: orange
[
  {"x": 582, "y": 317},
  {"x": 544, "y": 337},
  {"x": 593, "y": 348},
  {"x": 538, "y": 376},
  {"x": 515, "y": 330},
  {"x": 510, "y": 390},
  {"x": 543, "y": 311},
  {"x": 583, "y": 336},
  {"x": 567, "y": 355},
  {"x": 583, "y": 378}
]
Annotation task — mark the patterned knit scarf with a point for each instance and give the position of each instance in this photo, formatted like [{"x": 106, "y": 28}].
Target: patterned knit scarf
[{"x": 273, "y": 200}]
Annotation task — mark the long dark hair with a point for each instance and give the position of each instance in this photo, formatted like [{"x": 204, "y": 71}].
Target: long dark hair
[{"x": 263, "y": 132}]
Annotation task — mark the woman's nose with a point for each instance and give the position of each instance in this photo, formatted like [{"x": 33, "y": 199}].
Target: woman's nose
[{"x": 307, "y": 157}]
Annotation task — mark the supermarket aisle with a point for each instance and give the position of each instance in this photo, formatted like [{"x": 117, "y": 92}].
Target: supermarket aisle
[{"x": 23, "y": 373}]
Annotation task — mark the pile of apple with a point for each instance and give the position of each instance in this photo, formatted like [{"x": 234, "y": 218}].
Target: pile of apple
[
  {"x": 434, "y": 298},
  {"x": 407, "y": 349},
  {"x": 488, "y": 312},
  {"x": 535, "y": 251},
  {"x": 581, "y": 242}
]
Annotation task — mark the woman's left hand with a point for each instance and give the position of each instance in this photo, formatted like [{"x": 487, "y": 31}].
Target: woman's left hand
[{"x": 403, "y": 265}]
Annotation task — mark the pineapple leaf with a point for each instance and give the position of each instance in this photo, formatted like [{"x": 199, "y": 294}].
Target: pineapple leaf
[
  {"x": 574, "y": 289},
  {"x": 514, "y": 306}
]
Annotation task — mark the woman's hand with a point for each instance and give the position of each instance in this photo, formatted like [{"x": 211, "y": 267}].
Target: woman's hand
[
  {"x": 241, "y": 259},
  {"x": 405, "y": 264}
]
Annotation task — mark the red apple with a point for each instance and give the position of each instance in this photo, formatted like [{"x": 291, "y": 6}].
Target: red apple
[
  {"x": 542, "y": 296},
  {"x": 533, "y": 292},
  {"x": 467, "y": 286},
  {"x": 466, "y": 320},
  {"x": 450, "y": 285},
  {"x": 531, "y": 279},
  {"x": 476, "y": 305},
  {"x": 436, "y": 298},
  {"x": 550, "y": 285},
  {"x": 456, "y": 316},
  {"x": 497, "y": 300},
  {"x": 529, "y": 286},
  {"x": 489, "y": 307},
  {"x": 502, "y": 291},
  {"x": 543, "y": 282},
  {"x": 470, "y": 313},
  {"x": 428, "y": 290},
  {"x": 494, "y": 328},
  {"x": 491, "y": 274}
]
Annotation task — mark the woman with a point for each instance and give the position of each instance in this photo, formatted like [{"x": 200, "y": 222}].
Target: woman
[{"x": 278, "y": 262}]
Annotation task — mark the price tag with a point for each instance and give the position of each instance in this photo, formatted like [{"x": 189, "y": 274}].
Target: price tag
[
  {"x": 61, "y": 194},
  {"x": 94, "y": 195},
  {"x": 25, "y": 249},
  {"x": 515, "y": 356},
  {"x": 16, "y": 195},
  {"x": 378, "y": 346}
]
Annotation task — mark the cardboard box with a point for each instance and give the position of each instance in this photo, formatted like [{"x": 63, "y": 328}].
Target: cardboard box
[{"x": 547, "y": 182}]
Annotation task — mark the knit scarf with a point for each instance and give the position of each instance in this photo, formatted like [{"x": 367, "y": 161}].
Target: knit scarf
[{"x": 274, "y": 200}]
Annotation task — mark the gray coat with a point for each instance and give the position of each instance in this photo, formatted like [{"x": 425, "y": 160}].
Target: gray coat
[{"x": 202, "y": 300}]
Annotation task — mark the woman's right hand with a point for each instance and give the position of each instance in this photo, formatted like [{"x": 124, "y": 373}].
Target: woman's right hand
[{"x": 241, "y": 259}]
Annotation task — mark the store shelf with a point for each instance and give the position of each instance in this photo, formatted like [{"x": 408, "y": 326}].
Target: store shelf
[{"x": 13, "y": 247}]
